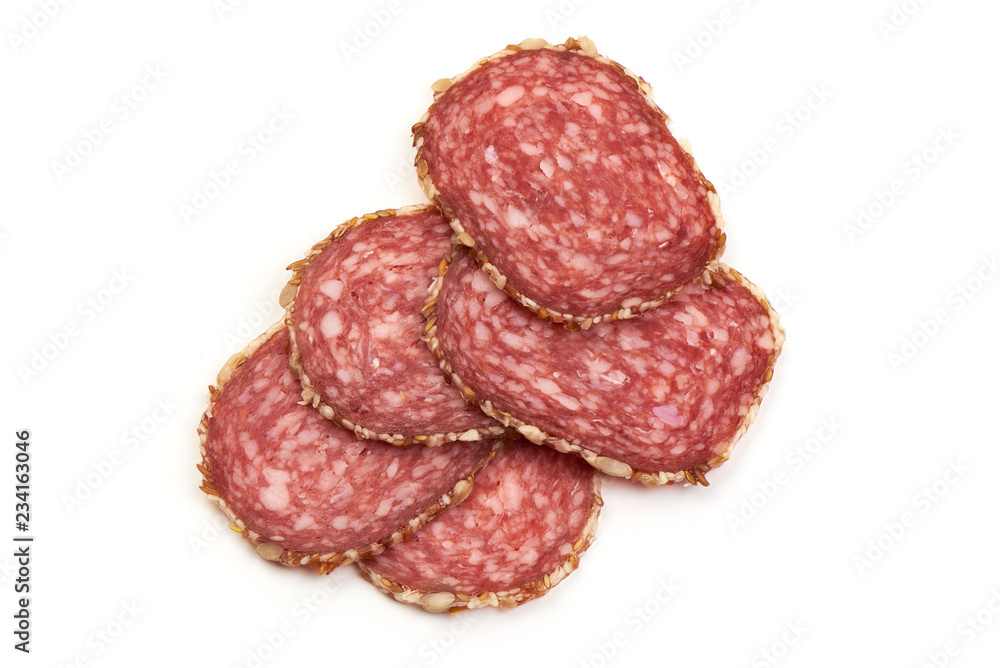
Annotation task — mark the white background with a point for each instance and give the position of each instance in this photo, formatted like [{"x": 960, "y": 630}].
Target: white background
[{"x": 868, "y": 553}]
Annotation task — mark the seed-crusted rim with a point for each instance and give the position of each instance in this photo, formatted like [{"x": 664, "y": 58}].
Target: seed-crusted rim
[
  {"x": 715, "y": 275},
  {"x": 269, "y": 547},
  {"x": 585, "y": 46},
  {"x": 309, "y": 392},
  {"x": 444, "y": 601}
]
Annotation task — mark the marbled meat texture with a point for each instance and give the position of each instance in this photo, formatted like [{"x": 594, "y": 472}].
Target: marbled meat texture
[
  {"x": 531, "y": 514},
  {"x": 357, "y": 328},
  {"x": 666, "y": 392},
  {"x": 569, "y": 181},
  {"x": 288, "y": 473}
]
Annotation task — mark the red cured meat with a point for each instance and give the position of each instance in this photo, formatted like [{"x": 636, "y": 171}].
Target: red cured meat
[
  {"x": 555, "y": 164},
  {"x": 302, "y": 489},
  {"x": 657, "y": 399},
  {"x": 355, "y": 323},
  {"x": 531, "y": 515}
]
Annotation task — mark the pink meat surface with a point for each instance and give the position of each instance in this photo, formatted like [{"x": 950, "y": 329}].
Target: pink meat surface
[
  {"x": 569, "y": 181},
  {"x": 288, "y": 472},
  {"x": 525, "y": 515},
  {"x": 357, "y": 322},
  {"x": 663, "y": 393}
]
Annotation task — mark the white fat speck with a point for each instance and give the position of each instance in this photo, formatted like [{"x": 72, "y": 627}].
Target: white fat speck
[
  {"x": 391, "y": 469},
  {"x": 383, "y": 508},
  {"x": 274, "y": 497},
  {"x": 276, "y": 476},
  {"x": 568, "y": 402},
  {"x": 516, "y": 218},
  {"x": 739, "y": 360},
  {"x": 332, "y": 289},
  {"x": 668, "y": 415},
  {"x": 509, "y": 96},
  {"x": 563, "y": 161},
  {"x": 331, "y": 325},
  {"x": 490, "y": 155},
  {"x": 548, "y": 387},
  {"x": 583, "y": 98},
  {"x": 597, "y": 111},
  {"x": 547, "y": 167},
  {"x": 699, "y": 318},
  {"x": 765, "y": 340},
  {"x": 633, "y": 220},
  {"x": 529, "y": 149},
  {"x": 340, "y": 522}
]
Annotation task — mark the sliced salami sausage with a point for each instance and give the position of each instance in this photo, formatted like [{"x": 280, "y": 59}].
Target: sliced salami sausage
[
  {"x": 353, "y": 306},
  {"x": 556, "y": 166},
  {"x": 305, "y": 491},
  {"x": 658, "y": 399},
  {"x": 522, "y": 530}
]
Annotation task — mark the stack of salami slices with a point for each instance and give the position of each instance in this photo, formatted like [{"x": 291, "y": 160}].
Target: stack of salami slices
[{"x": 451, "y": 380}]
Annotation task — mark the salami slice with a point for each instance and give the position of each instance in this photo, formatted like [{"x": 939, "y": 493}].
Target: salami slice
[
  {"x": 658, "y": 399},
  {"x": 305, "y": 491},
  {"x": 522, "y": 530},
  {"x": 556, "y": 166},
  {"x": 353, "y": 306}
]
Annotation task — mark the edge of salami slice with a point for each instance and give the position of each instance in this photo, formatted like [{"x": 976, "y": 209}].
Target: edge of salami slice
[
  {"x": 309, "y": 392},
  {"x": 609, "y": 465},
  {"x": 585, "y": 46},
  {"x": 444, "y": 601},
  {"x": 272, "y": 551}
]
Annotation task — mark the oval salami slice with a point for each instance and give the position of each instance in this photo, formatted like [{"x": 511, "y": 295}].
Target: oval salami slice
[
  {"x": 556, "y": 166},
  {"x": 522, "y": 530},
  {"x": 305, "y": 491},
  {"x": 658, "y": 399},
  {"x": 353, "y": 307}
]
